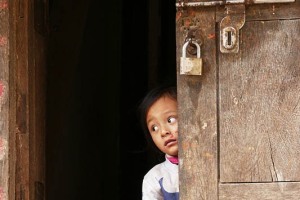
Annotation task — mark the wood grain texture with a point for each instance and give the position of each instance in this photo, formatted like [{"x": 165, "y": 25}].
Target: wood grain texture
[
  {"x": 273, "y": 11},
  {"x": 38, "y": 30},
  {"x": 4, "y": 99},
  {"x": 22, "y": 175},
  {"x": 269, "y": 11},
  {"x": 261, "y": 191},
  {"x": 27, "y": 104},
  {"x": 260, "y": 104},
  {"x": 197, "y": 109}
]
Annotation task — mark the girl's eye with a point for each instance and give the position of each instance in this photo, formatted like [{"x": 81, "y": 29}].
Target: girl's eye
[
  {"x": 154, "y": 128},
  {"x": 171, "y": 120}
]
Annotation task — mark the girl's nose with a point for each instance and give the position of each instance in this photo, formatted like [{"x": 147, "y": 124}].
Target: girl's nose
[{"x": 165, "y": 131}]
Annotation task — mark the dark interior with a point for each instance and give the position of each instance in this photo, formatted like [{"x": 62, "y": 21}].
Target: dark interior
[{"x": 103, "y": 56}]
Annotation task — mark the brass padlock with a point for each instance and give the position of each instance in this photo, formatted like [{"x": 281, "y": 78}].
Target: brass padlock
[{"x": 191, "y": 66}]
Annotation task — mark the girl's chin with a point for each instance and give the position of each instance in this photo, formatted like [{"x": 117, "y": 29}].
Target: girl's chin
[{"x": 172, "y": 152}]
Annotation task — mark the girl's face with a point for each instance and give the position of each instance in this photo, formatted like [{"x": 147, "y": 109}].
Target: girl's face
[{"x": 163, "y": 126}]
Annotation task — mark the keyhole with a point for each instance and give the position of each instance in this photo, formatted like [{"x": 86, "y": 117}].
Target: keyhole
[{"x": 229, "y": 38}]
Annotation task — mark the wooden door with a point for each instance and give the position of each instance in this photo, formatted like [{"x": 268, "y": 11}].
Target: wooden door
[
  {"x": 240, "y": 120},
  {"x": 22, "y": 99}
]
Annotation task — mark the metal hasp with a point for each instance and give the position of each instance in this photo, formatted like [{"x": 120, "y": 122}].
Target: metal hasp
[{"x": 230, "y": 26}]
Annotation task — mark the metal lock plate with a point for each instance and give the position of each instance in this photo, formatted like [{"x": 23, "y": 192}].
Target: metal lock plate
[
  {"x": 230, "y": 27},
  {"x": 191, "y": 66}
]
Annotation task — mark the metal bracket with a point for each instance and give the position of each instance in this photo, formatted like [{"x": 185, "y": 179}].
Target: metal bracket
[{"x": 230, "y": 26}]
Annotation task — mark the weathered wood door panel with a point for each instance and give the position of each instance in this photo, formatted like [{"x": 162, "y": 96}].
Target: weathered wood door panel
[
  {"x": 260, "y": 104},
  {"x": 240, "y": 121},
  {"x": 197, "y": 96},
  {"x": 27, "y": 73}
]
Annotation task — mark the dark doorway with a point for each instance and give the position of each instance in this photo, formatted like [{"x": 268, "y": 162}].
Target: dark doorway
[
  {"x": 148, "y": 55},
  {"x": 103, "y": 57}
]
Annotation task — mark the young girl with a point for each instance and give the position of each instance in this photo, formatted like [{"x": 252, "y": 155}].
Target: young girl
[{"x": 158, "y": 112}]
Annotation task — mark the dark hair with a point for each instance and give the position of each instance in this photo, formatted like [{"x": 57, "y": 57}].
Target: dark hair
[{"x": 151, "y": 97}]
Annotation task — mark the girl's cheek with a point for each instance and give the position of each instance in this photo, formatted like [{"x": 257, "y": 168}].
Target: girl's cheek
[{"x": 175, "y": 128}]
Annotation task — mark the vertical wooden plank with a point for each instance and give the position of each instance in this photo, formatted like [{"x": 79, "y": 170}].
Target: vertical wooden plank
[
  {"x": 38, "y": 34},
  {"x": 38, "y": 122},
  {"x": 20, "y": 159},
  {"x": 27, "y": 99},
  {"x": 4, "y": 99},
  {"x": 197, "y": 109},
  {"x": 22, "y": 105},
  {"x": 12, "y": 100},
  {"x": 260, "y": 105}
]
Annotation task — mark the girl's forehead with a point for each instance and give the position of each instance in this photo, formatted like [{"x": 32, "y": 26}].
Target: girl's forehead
[
  {"x": 163, "y": 103},
  {"x": 162, "y": 106}
]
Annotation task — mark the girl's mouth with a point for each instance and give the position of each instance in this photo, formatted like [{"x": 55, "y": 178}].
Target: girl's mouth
[{"x": 170, "y": 142}]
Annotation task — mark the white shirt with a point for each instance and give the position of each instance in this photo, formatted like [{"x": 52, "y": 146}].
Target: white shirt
[{"x": 161, "y": 182}]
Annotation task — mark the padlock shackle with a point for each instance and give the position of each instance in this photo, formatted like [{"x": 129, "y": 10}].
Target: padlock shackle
[{"x": 185, "y": 46}]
